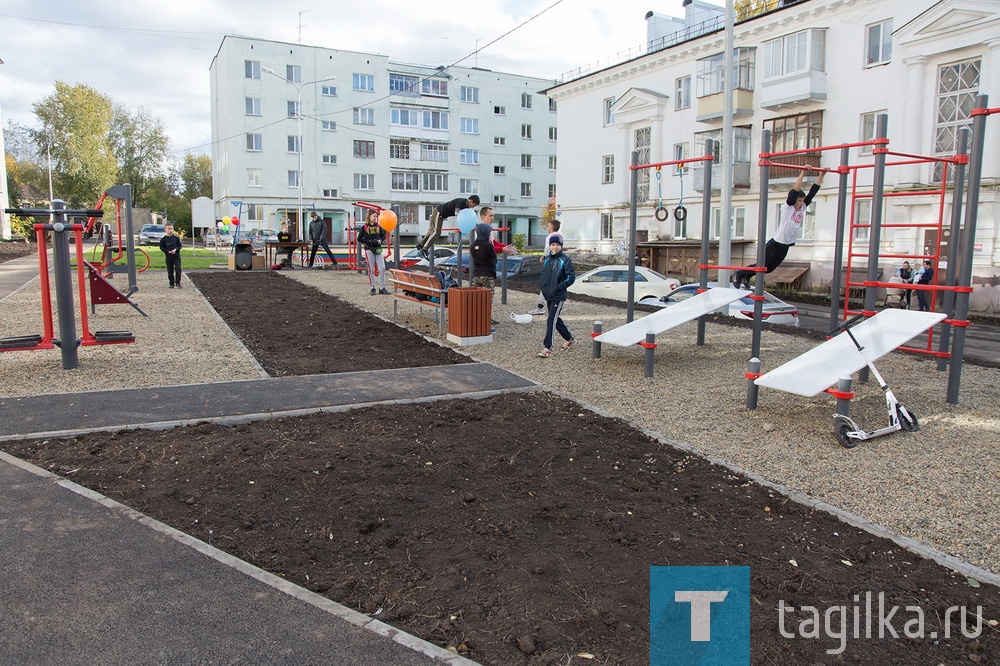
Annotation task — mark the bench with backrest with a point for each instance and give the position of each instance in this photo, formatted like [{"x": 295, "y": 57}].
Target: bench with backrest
[{"x": 423, "y": 289}]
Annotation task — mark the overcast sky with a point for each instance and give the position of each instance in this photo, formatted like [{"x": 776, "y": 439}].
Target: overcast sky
[{"x": 157, "y": 54}]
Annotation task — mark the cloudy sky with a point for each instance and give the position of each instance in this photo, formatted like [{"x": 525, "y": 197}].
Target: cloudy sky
[{"x": 157, "y": 54}]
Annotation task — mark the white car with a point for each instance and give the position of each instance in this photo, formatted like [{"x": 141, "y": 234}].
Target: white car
[
  {"x": 775, "y": 310},
  {"x": 612, "y": 282}
]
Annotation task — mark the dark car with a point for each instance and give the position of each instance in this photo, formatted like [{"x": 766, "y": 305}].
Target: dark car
[{"x": 519, "y": 266}]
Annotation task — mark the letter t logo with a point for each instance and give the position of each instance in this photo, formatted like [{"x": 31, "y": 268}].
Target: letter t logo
[{"x": 701, "y": 607}]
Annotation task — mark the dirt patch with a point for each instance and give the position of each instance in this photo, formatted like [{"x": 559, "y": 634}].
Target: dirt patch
[
  {"x": 517, "y": 529},
  {"x": 15, "y": 249}
]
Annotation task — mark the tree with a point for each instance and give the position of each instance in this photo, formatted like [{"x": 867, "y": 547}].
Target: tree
[
  {"x": 196, "y": 176},
  {"x": 75, "y": 125},
  {"x": 745, "y": 9},
  {"x": 140, "y": 145},
  {"x": 24, "y": 172}
]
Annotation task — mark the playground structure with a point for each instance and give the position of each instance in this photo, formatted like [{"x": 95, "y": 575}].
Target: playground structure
[
  {"x": 67, "y": 341},
  {"x": 112, "y": 251},
  {"x": 956, "y": 286}
]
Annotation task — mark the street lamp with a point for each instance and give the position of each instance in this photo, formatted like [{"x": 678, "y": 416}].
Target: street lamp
[{"x": 301, "y": 147}]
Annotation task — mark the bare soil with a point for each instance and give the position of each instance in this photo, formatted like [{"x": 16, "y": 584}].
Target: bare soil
[
  {"x": 515, "y": 530},
  {"x": 11, "y": 249}
]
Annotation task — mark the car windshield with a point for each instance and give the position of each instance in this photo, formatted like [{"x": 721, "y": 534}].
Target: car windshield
[{"x": 154, "y": 228}]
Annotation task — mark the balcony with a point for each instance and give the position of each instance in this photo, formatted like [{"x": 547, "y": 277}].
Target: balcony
[
  {"x": 710, "y": 107},
  {"x": 741, "y": 176},
  {"x": 794, "y": 90}
]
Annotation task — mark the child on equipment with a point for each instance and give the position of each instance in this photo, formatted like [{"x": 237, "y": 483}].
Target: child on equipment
[
  {"x": 557, "y": 276},
  {"x": 371, "y": 238}
]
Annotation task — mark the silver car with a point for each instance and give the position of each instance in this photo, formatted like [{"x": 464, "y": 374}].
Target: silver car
[
  {"x": 775, "y": 310},
  {"x": 150, "y": 234}
]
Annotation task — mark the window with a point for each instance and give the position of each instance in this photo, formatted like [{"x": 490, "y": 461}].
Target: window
[
  {"x": 255, "y": 142},
  {"x": 468, "y": 186},
  {"x": 682, "y": 93},
  {"x": 435, "y": 182},
  {"x": 293, "y": 108},
  {"x": 293, "y": 73},
  {"x": 681, "y": 153},
  {"x": 294, "y": 144},
  {"x": 499, "y": 170},
  {"x": 363, "y": 82},
  {"x": 364, "y": 148},
  {"x": 525, "y": 100},
  {"x": 404, "y": 117},
  {"x": 405, "y": 85},
  {"x": 741, "y": 147},
  {"x": 958, "y": 85},
  {"x": 607, "y": 226},
  {"x": 552, "y": 162},
  {"x": 552, "y": 190},
  {"x": 499, "y": 198},
  {"x": 251, "y": 69},
  {"x": 255, "y": 212},
  {"x": 795, "y": 53},
  {"x": 434, "y": 87},
  {"x": 470, "y": 94},
  {"x": 293, "y": 179},
  {"x": 499, "y": 141},
  {"x": 553, "y": 133},
  {"x": 710, "y": 75},
  {"x": 796, "y": 132},
  {"x": 255, "y": 178},
  {"x": 399, "y": 149},
  {"x": 252, "y": 106},
  {"x": 405, "y": 182},
  {"x": 330, "y": 159},
  {"x": 609, "y": 117},
  {"x": 499, "y": 110},
  {"x": 525, "y": 131},
  {"x": 643, "y": 141},
  {"x": 329, "y": 91},
  {"x": 364, "y": 181},
  {"x": 469, "y": 156},
  {"x": 364, "y": 116},
  {"x": 863, "y": 215},
  {"x": 525, "y": 190},
  {"x": 470, "y": 125},
  {"x": 737, "y": 223},
  {"x": 328, "y": 125},
  {"x": 552, "y": 105},
  {"x": 329, "y": 193},
  {"x": 869, "y": 124},
  {"x": 435, "y": 120},
  {"x": 878, "y": 47},
  {"x": 434, "y": 152},
  {"x": 525, "y": 160},
  {"x": 608, "y": 169}
]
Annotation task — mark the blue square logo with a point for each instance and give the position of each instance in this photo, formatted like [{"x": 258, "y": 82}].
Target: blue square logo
[{"x": 699, "y": 616}]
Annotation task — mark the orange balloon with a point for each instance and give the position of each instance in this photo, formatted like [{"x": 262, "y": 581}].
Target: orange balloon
[{"x": 387, "y": 220}]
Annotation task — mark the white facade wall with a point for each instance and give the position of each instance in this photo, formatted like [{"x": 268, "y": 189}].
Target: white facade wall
[
  {"x": 321, "y": 177},
  {"x": 926, "y": 35}
]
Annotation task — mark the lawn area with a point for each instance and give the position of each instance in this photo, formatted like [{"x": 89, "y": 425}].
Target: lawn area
[{"x": 191, "y": 258}]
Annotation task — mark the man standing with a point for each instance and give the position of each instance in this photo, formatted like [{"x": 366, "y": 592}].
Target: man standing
[
  {"x": 440, "y": 214},
  {"x": 170, "y": 245},
  {"x": 926, "y": 277},
  {"x": 317, "y": 234}
]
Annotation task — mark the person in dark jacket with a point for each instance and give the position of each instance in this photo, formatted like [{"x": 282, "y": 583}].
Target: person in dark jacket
[
  {"x": 440, "y": 214},
  {"x": 557, "y": 276},
  {"x": 371, "y": 237},
  {"x": 170, "y": 245},
  {"x": 905, "y": 273},
  {"x": 926, "y": 277},
  {"x": 483, "y": 255},
  {"x": 317, "y": 234}
]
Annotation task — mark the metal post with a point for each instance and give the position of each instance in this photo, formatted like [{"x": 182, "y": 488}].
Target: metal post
[
  {"x": 875, "y": 231},
  {"x": 458, "y": 266},
  {"x": 706, "y": 230},
  {"x": 944, "y": 341},
  {"x": 68, "y": 341},
  {"x": 503, "y": 278},
  {"x": 968, "y": 247},
  {"x": 753, "y": 370},
  {"x": 758, "y": 305},
  {"x": 633, "y": 215},
  {"x": 844, "y": 404},
  {"x": 728, "y": 149},
  {"x": 598, "y": 329},
  {"x": 838, "y": 240},
  {"x": 650, "y": 351}
]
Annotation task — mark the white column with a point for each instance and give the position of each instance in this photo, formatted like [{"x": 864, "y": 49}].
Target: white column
[
  {"x": 910, "y": 124},
  {"x": 989, "y": 84}
]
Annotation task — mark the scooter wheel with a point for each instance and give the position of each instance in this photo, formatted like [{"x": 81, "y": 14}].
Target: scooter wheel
[
  {"x": 907, "y": 419},
  {"x": 841, "y": 429}
]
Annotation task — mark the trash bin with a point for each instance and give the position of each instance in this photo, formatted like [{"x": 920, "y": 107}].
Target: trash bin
[{"x": 470, "y": 310}]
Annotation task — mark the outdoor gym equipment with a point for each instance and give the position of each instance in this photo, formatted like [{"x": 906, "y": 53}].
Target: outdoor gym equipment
[
  {"x": 834, "y": 361},
  {"x": 122, "y": 194}
]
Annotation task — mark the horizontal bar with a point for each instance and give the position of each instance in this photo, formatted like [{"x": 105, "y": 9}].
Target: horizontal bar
[
  {"x": 706, "y": 158},
  {"x": 805, "y": 151},
  {"x": 929, "y": 158}
]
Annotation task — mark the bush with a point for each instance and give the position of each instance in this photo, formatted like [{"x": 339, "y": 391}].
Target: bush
[{"x": 520, "y": 241}]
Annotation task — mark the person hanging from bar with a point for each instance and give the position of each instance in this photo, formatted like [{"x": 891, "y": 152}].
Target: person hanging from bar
[{"x": 791, "y": 216}]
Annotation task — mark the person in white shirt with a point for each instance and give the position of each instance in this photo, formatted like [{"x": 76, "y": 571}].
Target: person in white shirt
[{"x": 792, "y": 214}]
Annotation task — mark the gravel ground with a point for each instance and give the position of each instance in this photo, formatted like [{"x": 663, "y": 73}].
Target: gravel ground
[{"x": 940, "y": 485}]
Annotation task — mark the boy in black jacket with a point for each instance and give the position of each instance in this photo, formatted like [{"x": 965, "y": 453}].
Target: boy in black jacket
[
  {"x": 557, "y": 275},
  {"x": 171, "y": 247}
]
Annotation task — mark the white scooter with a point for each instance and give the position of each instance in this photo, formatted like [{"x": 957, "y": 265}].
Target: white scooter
[{"x": 900, "y": 418}]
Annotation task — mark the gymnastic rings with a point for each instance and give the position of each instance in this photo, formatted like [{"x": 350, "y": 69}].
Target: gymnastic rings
[
  {"x": 661, "y": 213},
  {"x": 680, "y": 213}
]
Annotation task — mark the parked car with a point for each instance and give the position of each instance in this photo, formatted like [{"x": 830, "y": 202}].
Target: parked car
[
  {"x": 213, "y": 237},
  {"x": 263, "y": 235},
  {"x": 414, "y": 258},
  {"x": 518, "y": 266},
  {"x": 150, "y": 234},
  {"x": 612, "y": 282},
  {"x": 775, "y": 310}
]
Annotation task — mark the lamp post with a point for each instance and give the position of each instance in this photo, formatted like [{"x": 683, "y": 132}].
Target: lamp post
[{"x": 301, "y": 147}]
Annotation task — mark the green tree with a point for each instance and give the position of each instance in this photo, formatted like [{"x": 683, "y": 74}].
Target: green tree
[
  {"x": 196, "y": 176},
  {"x": 24, "y": 171},
  {"x": 140, "y": 145},
  {"x": 745, "y": 9},
  {"x": 75, "y": 126}
]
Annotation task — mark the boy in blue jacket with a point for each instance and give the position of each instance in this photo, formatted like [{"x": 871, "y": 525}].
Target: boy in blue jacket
[{"x": 557, "y": 275}]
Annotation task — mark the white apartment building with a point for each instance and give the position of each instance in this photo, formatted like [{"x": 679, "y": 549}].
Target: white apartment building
[
  {"x": 813, "y": 72},
  {"x": 337, "y": 127}
]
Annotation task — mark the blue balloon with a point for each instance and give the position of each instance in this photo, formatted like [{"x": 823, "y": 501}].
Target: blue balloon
[{"x": 467, "y": 219}]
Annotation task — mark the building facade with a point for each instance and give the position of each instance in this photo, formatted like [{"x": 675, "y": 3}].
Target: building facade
[
  {"x": 815, "y": 73},
  {"x": 296, "y": 125}
]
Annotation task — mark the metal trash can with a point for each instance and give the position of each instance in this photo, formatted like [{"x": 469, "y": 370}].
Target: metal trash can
[{"x": 470, "y": 311}]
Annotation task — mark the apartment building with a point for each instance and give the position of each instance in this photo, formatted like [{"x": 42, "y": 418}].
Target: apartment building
[
  {"x": 296, "y": 125},
  {"x": 815, "y": 73}
]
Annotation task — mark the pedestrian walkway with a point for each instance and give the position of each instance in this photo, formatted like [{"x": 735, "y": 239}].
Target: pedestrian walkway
[{"x": 17, "y": 273}]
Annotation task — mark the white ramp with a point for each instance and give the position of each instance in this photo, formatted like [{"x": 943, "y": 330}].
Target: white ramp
[
  {"x": 820, "y": 368},
  {"x": 673, "y": 316}
]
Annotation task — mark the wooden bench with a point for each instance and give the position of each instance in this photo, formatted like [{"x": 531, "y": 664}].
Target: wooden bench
[{"x": 409, "y": 285}]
